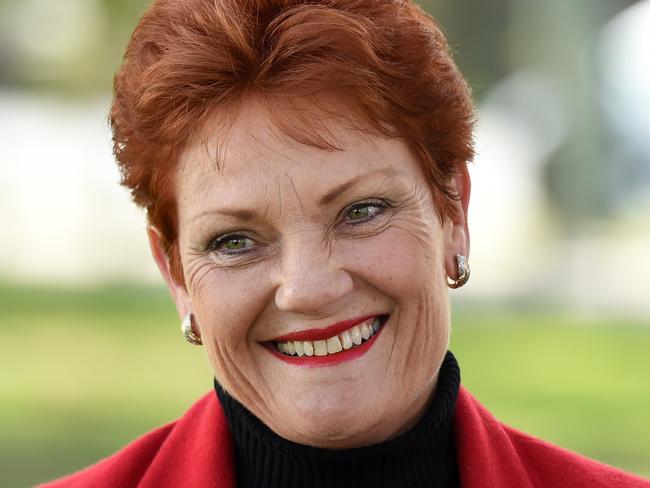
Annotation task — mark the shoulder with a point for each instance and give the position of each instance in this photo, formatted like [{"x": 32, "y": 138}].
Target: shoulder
[
  {"x": 492, "y": 454},
  {"x": 195, "y": 450},
  {"x": 550, "y": 465},
  {"x": 123, "y": 468}
]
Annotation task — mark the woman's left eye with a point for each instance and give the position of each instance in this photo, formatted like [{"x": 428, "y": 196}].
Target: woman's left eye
[{"x": 365, "y": 211}]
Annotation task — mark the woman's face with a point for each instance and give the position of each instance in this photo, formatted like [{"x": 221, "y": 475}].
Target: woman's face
[{"x": 291, "y": 253}]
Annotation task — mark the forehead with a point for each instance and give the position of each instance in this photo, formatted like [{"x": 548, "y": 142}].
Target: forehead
[{"x": 253, "y": 153}]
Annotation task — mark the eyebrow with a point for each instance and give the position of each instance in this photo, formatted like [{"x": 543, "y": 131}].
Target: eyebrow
[
  {"x": 340, "y": 190},
  {"x": 248, "y": 215}
]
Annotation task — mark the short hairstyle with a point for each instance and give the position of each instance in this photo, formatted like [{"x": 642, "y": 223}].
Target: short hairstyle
[{"x": 189, "y": 59}]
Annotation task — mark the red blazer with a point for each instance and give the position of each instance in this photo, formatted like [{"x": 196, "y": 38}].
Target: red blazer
[{"x": 196, "y": 451}]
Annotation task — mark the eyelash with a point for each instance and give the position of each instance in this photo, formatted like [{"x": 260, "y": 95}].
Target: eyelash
[
  {"x": 381, "y": 205},
  {"x": 216, "y": 245}
]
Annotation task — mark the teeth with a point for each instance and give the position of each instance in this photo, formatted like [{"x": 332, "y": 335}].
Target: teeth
[
  {"x": 334, "y": 345},
  {"x": 320, "y": 348},
  {"x": 346, "y": 340},
  {"x": 356, "y": 335},
  {"x": 365, "y": 332}
]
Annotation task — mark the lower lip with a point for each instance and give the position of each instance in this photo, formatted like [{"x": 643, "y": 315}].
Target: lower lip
[{"x": 328, "y": 360}]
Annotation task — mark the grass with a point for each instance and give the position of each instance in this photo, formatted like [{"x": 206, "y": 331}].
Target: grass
[{"x": 86, "y": 371}]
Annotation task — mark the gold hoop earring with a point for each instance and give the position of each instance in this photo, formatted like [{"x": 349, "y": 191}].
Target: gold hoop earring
[
  {"x": 187, "y": 327},
  {"x": 462, "y": 272}
]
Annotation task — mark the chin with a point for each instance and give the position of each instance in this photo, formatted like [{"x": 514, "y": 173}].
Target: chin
[
  {"x": 342, "y": 418},
  {"x": 335, "y": 433}
]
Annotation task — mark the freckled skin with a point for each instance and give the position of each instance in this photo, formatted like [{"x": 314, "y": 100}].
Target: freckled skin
[{"x": 307, "y": 266}]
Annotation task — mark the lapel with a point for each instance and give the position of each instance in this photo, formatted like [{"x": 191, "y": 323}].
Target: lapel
[
  {"x": 189, "y": 458},
  {"x": 197, "y": 452},
  {"x": 486, "y": 455}
]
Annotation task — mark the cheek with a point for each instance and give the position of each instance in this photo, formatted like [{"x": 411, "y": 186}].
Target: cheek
[
  {"x": 226, "y": 305},
  {"x": 406, "y": 263},
  {"x": 231, "y": 297},
  {"x": 405, "y": 258}
]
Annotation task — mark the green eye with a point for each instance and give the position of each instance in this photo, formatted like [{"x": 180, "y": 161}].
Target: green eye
[
  {"x": 231, "y": 244},
  {"x": 234, "y": 244},
  {"x": 365, "y": 211},
  {"x": 359, "y": 213}
]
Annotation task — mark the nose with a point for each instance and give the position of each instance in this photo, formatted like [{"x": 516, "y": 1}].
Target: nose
[{"x": 311, "y": 276}]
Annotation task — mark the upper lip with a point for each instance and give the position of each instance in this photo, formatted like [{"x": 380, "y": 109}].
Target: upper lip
[{"x": 324, "y": 332}]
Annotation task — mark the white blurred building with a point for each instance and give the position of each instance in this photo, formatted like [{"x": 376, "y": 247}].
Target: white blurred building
[{"x": 66, "y": 219}]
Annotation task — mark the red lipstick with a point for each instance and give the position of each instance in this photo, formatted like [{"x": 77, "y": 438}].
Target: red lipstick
[
  {"x": 324, "y": 332},
  {"x": 321, "y": 334}
]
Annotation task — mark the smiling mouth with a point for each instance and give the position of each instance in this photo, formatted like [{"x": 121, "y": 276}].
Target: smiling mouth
[{"x": 350, "y": 338}]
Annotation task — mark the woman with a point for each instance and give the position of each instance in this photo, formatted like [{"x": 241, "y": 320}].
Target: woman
[{"x": 303, "y": 168}]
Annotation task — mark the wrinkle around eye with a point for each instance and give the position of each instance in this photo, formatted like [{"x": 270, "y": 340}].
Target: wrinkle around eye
[
  {"x": 197, "y": 270},
  {"x": 228, "y": 263}
]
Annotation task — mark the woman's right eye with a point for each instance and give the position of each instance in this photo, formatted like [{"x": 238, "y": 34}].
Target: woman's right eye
[{"x": 231, "y": 244}]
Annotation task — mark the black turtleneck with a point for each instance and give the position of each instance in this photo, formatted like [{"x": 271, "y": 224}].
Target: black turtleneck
[{"x": 424, "y": 456}]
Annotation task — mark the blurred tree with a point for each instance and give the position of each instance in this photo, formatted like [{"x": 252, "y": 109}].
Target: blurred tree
[
  {"x": 477, "y": 33},
  {"x": 559, "y": 38},
  {"x": 75, "y": 46}
]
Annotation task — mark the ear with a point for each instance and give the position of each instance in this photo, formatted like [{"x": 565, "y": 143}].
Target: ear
[
  {"x": 178, "y": 291},
  {"x": 457, "y": 231}
]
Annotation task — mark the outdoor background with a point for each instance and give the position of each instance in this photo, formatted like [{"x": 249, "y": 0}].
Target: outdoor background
[{"x": 552, "y": 332}]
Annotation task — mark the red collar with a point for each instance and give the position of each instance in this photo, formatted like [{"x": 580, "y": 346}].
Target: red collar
[{"x": 196, "y": 451}]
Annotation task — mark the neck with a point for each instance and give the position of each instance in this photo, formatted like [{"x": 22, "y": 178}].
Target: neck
[{"x": 424, "y": 455}]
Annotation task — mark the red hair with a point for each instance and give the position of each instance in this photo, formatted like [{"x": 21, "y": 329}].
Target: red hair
[{"x": 189, "y": 59}]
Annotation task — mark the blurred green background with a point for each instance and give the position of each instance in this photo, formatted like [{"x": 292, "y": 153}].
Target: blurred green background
[
  {"x": 85, "y": 372},
  {"x": 552, "y": 332}
]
